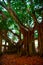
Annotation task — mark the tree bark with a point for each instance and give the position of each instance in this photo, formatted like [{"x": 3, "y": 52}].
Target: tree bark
[{"x": 41, "y": 38}]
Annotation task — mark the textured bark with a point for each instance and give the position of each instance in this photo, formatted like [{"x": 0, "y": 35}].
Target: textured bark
[
  {"x": 30, "y": 42},
  {"x": 24, "y": 47},
  {"x": 27, "y": 41},
  {"x": 41, "y": 38}
]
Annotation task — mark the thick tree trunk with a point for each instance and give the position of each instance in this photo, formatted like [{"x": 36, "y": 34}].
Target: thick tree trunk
[
  {"x": 30, "y": 43},
  {"x": 25, "y": 41},
  {"x": 41, "y": 38}
]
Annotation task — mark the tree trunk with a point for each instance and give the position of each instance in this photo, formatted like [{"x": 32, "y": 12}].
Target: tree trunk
[
  {"x": 41, "y": 38},
  {"x": 24, "y": 47}
]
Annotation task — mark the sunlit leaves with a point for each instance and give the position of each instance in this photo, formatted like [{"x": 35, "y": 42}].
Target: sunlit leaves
[
  {"x": 20, "y": 7},
  {"x": 39, "y": 19},
  {"x": 36, "y": 34},
  {"x": 12, "y": 37}
]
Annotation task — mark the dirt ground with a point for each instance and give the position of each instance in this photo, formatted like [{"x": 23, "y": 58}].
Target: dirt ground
[{"x": 12, "y": 59}]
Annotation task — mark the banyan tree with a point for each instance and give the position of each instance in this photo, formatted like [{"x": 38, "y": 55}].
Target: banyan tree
[{"x": 21, "y": 26}]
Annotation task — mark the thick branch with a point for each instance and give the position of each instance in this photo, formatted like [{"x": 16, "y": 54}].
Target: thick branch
[
  {"x": 3, "y": 15},
  {"x": 34, "y": 18},
  {"x": 6, "y": 31},
  {"x": 14, "y": 33},
  {"x": 15, "y": 17},
  {"x": 6, "y": 38}
]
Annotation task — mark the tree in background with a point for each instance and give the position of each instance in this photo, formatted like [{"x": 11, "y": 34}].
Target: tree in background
[{"x": 19, "y": 19}]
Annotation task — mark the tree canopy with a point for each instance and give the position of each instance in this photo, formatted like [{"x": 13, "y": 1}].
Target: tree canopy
[{"x": 24, "y": 10}]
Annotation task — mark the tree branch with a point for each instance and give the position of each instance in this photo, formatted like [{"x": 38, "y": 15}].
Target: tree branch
[
  {"x": 3, "y": 15},
  {"x": 34, "y": 18},
  {"x": 14, "y": 16},
  {"x": 13, "y": 33},
  {"x": 6, "y": 38}
]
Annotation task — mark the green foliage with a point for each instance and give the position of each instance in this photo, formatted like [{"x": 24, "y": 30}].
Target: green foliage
[
  {"x": 20, "y": 7},
  {"x": 3, "y": 25},
  {"x": 35, "y": 34},
  {"x": 0, "y": 8}
]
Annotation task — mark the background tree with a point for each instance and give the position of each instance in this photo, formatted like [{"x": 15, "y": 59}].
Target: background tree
[{"x": 18, "y": 21}]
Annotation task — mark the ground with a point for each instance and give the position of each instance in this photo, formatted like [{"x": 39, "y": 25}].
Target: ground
[{"x": 11, "y": 59}]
